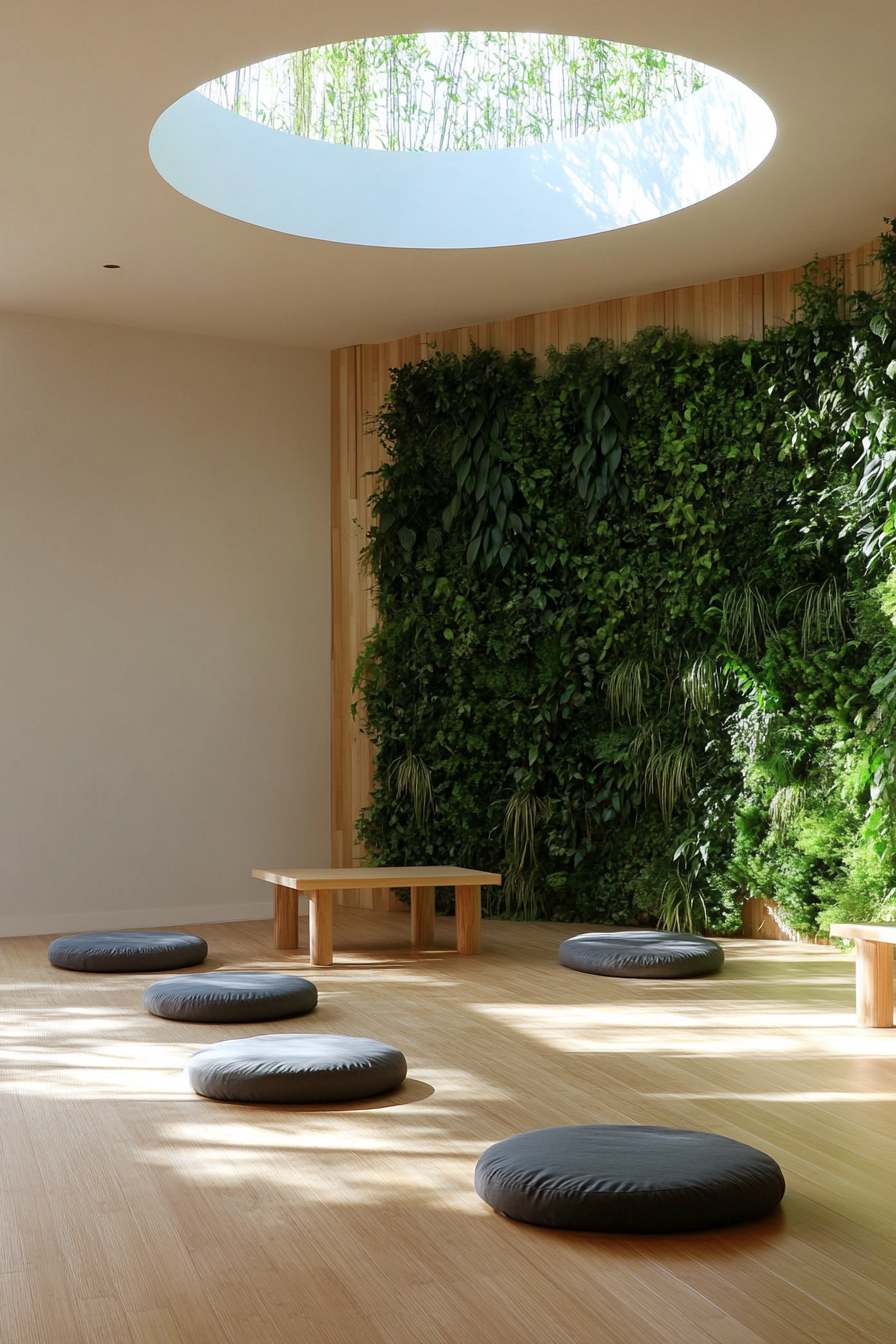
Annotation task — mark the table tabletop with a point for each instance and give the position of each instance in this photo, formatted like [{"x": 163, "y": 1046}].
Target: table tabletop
[
  {"x": 341, "y": 879},
  {"x": 869, "y": 933}
]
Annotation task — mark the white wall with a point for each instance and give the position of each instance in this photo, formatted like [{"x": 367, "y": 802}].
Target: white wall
[{"x": 164, "y": 624}]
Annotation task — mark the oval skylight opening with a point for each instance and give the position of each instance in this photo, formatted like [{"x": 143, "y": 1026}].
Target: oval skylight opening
[{"x": 459, "y": 140}]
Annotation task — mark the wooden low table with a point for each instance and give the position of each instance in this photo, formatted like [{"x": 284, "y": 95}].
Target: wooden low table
[
  {"x": 874, "y": 970},
  {"x": 320, "y": 883}
]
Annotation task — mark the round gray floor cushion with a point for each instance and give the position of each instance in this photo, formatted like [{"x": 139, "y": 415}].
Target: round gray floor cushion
[
  {"x": 646, "y": 954},
  {"x": 627, "y": 1178},
  {"x": 128, "y": 950},
  {"x": 296, "y": 1069},
  {"x": 231, "y": 996}
]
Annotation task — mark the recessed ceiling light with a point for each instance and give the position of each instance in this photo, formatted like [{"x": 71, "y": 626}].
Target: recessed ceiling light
[{"x": 111, "y": 266}]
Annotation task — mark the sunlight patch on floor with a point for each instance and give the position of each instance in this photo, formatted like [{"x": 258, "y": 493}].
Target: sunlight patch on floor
[
  {"x": 315, "y": 1132},
  {"x": 821, "y": 1098},
  {"x": 347, "y": 1160},
  {"x": 132, "y": 1070},
  {"x": 694, "y": 1029}
]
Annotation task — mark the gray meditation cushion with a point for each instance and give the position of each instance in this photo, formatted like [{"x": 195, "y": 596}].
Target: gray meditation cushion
[
  {"x": 128, "y": 950},
  {"x": 627, "y": 1178},
  {"x": 296, "y": 1069},
  {"x": 646, "y": 954},
  {"x": 230, "y": 996}
]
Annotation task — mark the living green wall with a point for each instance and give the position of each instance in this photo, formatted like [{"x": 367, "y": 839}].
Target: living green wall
[{"x": 637, "y": 620}]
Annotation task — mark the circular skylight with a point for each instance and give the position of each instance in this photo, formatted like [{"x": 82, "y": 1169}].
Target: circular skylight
[{"x": 459, "y": 140}]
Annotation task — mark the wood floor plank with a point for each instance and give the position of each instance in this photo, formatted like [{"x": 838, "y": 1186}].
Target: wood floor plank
[
  {"x": 153, "y": 1327},
  {"x": 16, "y": 1315}
]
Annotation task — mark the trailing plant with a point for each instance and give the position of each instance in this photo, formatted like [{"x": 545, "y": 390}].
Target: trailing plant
[
  {"x": 410, "y": 778},
  {"x": 636, "y": 641}
]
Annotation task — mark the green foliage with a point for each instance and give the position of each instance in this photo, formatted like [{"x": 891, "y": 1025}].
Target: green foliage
[
  {"x": 410, "y": 778},
  {"x": 637, "y": 621},
  {"x": 457, "y": 90},
  {"x": 683, "y": 906}
]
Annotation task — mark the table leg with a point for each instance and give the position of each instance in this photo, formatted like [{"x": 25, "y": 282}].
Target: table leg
[
  {"x": 320, "y": 920},
  {"x": 423, "y": 916},
  {"x": 874, "y": 983},
  {"x": 468, "y": 909},
  {"x": 286, "y": 918}
]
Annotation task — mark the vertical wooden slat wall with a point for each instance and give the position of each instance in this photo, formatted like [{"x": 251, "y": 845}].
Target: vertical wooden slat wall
[{"x": 744, "y": 308}]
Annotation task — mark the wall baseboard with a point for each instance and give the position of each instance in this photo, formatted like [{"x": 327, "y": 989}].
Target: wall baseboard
[{"x": 164, "y": 917}]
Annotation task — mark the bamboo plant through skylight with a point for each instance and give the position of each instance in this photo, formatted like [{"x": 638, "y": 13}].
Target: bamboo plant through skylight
[{"x": 457, "y": 91}]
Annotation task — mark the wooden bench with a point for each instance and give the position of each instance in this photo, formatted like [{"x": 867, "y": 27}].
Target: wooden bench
[
  {"x": 874, "y": 970},
  {"x": 320, "y": 883}
]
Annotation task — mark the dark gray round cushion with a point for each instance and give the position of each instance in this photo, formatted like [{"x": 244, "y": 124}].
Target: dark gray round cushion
[
  {"x": 296, "y": 1069},
  {"x": 646, "y": 954},
  {"x": 627, "y": 1178},
  {"x": 128, "y": 950},
  {"x": 230, "y": 996}
]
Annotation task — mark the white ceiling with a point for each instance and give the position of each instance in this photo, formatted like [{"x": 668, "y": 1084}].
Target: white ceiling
[{"x": 83, "y": 81}]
